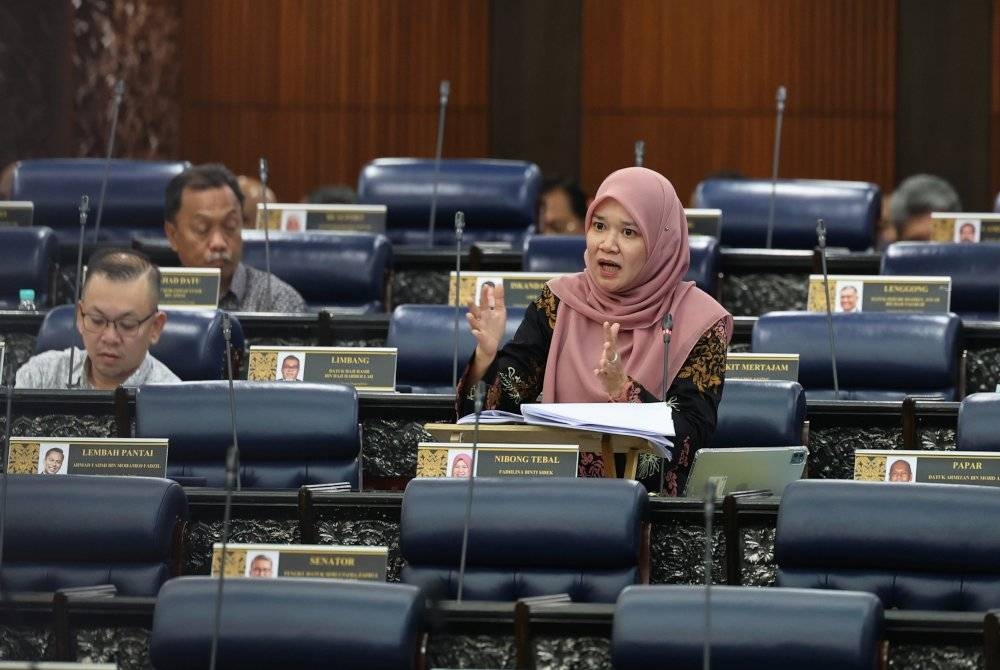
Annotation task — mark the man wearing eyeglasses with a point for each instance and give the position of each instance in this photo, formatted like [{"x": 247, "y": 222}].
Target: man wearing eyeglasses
[{"x": 118, "y": 320}]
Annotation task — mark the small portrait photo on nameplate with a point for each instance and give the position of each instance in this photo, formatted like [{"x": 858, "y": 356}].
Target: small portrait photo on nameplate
[
  {"x": 704, "y": 222},
  {"x": 881, "y": 293},
  {"x": 297, "y": 217},
  {"x": 519, "y": 288},
  {"x": 135, "y": 457},
  {"x": 190, "y": 288},
  {"x": 16, "y": 213},
  {"x": 979, "y": 468},
  {"x": 314, "y": 561},
  {"x": 763, "y": 367},
  {"x": 454, "y": 459},
  {"x": 965, "y": 228},
  {"x": 365, "y": 368}
]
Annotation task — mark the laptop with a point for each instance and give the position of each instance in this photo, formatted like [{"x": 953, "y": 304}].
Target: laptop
[{"x": 745, "y": 469}]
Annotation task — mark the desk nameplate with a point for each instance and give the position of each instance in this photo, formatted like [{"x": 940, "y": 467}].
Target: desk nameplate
[
  {"x": 763, "y": 367},
  {"x": 297, "y": 217},
  {"x": 706, "y": 222},
  {"x": 190, "y": 288},
  {"x": 881, "y": 293},
  {"x": 18, "y": 213},
  {"x": 455, "y": 459},
  {"x": 965, "y": 227},
  {"x": 981, "y": 468},
  {"x": 520, "y": 288},
  {"x": 135, "y": 457},
  {"x": 365, "y": 368},
  {"x": 312, "y": 561}
]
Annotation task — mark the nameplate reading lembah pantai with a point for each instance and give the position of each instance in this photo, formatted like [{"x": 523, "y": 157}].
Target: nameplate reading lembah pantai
[
  {"x": 16, "y": 213},
  {"x": 980, "y": 468},
  {"x": 190, "y": 288},
  {"x": 454, "y": 459},
  {"x": 704, "y": 222},
  {"x": 314, "y": 561},
  {"x": 519, "y": 288},
  {"x": 365, "y": 368},
  {"x": 850, "y": 294},
  {"x": 763, "y": 367},
  {"x": 134, "y": 457},
  {"x": 965, "y": 228},
  {"x": 296, "y": 217}
]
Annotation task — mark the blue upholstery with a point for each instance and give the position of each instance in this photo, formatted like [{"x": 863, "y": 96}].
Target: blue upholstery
[
  {"x": 760, "y": 414},
  {"x": 425, "y": 337},
  {"x": 996, "y": 204},
  {"x": 664, "y": 627},
  {"x": 851, "y": 210},
  {"x": 133, "y": 203},
  {"x": 974, "y": 270},
  {"x": 979, "y": 423},
  {"x": 191, "y": 343},
  {"x": 704, "y": 268},
  {"x": 78, "y": 530},
  {"x": 915, "y": 546},
  {"x": 879, "y": 356},
  {"x": 289, "y": 434},
  {"x": 527, "y": 537},
  {"x": 287, "y": 623},
  {"x": 345, "y": 271},
  {"x": 499, "y": 198},
  {"x": 27, "y": 260}
]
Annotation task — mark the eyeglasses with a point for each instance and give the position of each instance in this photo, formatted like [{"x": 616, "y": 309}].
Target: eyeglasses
[{"x": 126, "y": 327}]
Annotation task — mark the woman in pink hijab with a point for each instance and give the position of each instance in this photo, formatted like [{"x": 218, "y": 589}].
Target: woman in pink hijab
[{"x": 597, "y": 336}]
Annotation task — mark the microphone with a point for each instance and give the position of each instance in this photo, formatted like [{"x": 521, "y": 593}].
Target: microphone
[
  {"x": 232, "y": 475},
  {"x": 821, "y": 237},
  {"x": 8, "y": 431},
  {"x": 443, "y": 92},
  {"x": 640, "y": 152},
  {"x": 84, "y": 211},
  {"x": 780, "y": 100},
  {"x": 668, "y": 327},
  {"x": 459, "y": 228},
  {"x": 706, "y": 652},
  {"x": 267, "y": 237},
  {"x": 119, "y": 94},
  {"x": 227, "y": 334},
  {"x": 480, "y": 392}
]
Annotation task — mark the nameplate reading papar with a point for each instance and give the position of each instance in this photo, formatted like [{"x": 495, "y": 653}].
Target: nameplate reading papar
[{"x": 980, "y": 468}]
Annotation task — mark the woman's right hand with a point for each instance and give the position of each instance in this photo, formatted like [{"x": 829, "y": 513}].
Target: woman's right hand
[{"x": 487, "y": 321}]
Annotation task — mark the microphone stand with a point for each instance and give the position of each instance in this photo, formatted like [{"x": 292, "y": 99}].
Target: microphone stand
[
  {"x": 480, "y": 392},
  {"x": 232, "y": 472},
  {"x": 8, "y": 431},
  {"x": 640, "y": 152},
  {"x": 84, "y": 210},
  {"x": 119, "y": 94},
  {"x": 262, "y": 169},
  {"x": 668, "y": 327},
  {"x": 443, "y": 92},
  {"x": 459, "y": 228},
  {"x": 780, "y": 99},
  {"x": 706, "y": 653},
  {"x": 821, "y": 236},
  {"x": 227, "y": 334}
]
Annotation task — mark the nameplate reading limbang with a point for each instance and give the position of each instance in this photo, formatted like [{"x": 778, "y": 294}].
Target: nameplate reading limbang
[
  {"x": 981, "y": 468},
  {"x": 135, "y": 457},
  {"x": 294, "y": 218},
  {"x": 704, "y": 221},
  {"x": 365, "y": 368},
  {"x": 315, "y": 561},
  {"x": 16, "y": 213},
  {"x": 190, "y": 288},
  {"x": 454, "y": 459},
  {"x": 519, "y": 288},
  {"x": 965, "y": 228},
  {"x": 881, "y": 293},
  {"x": 763, "y": 367}
]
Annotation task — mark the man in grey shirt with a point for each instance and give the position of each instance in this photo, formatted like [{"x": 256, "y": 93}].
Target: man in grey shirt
[
  {"x": 119, "y": 320},
  {"x": 204, "y": 225}
]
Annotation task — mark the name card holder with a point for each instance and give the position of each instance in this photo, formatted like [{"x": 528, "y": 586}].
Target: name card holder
[
  {"x": 16, "y": 213},
  {"x": 454, "y": 459},
  {"x": 763, "y": 367},
  {"x": 966, "y": 228},
  {"x": 365, "y": 368},
  {"x": 520, "y": 288},
  {"x": 135, "y": 457},
  {"x": 190, "y": 288},
  {"x": 296, "y": 218},
  {"x": 704, "y": 222},
  {"x": 979, "y": 468},
  {"x": 314, "y": 561},
  {"x": 851, "y": 294}
]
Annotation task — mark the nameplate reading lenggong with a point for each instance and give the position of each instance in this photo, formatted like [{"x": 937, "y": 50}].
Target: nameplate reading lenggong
[
  {"x": 455, "y": 459},
  {"x": 365, "y": 368},
  {"x": 134, "y": 457},
  {"x": 297, "y": 218},
  {"x": 16, "y": 213},
  {"x": 190, "y": 288},
  {"x": 851, "y": 294},
  {"x": 763, "y": 367},
  {"x": 520, "y": 288},
  {"x": 314, "y": 561},
  {"x": 965, "y": 228},
  {"x": 933, "y": 467}
]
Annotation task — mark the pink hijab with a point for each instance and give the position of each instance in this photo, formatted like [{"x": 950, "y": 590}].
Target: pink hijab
[{"x": 658, "y": 290}]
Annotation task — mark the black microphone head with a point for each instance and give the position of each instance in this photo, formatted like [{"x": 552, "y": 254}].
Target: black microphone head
[
  {"x": 119, "y": 89},
  {"x": 640, "y": 152},
  {"x": 84, "y": 204},
  {"x": 480, "y": 393},
  {"x": 444, "y": 91},
  {"x": 780, "y": 97},
  {"x": 821, "y": 232},
  {"x": 459, "y": 223},
  {"x": 668, "y": 326},
  {"x": 227, "y": 326},
  {"x": 262, "y": 171}
]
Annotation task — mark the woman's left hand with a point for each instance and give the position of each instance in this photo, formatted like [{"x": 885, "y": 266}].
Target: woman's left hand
[{"x": 609, "y": 367}]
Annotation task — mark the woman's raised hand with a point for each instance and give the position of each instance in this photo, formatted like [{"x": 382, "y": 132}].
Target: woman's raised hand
[
  {"x": 609, "y": 367},
  {"x": 488, "y": 321}
]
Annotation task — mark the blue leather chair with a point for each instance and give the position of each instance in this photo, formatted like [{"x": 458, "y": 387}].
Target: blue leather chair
[
  {"x": 27, "y": 260},
  {"x": 77, "y": 530},
  {"x": 979, "y": 423},
  {"x": 289, "y": 434},
  {"x": 996, "y": 204},
  {"x": 664, "y": 627},
  {"x": 974, "y": 270},
  {"x": 760, "y": 414},
  {"x": 191, "y": 344},
  {"x": 425, "y": 338},
  {"x": 527, "y": 537},
  {"x": 499, "y": 198},
  {"x": 341, "y": 272},
  {"x": 287, "y": 623},
  {"x": 879, "y": 356},
  {"x": 851, "y": 210},
  {"x": 915, "y": 546}
]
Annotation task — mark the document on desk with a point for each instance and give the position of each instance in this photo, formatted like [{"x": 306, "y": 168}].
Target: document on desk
[{"x": 491, "y": 416}]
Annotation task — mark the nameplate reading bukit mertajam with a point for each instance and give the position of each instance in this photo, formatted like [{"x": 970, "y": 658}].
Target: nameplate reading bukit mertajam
[
  {"x": 454, "y": 459},
  {"x": 296, "y": 218},
  {"x": 365, "y": 368},
  {"x": 704, "y": 222},
  {"x": 314, "y": 561},
  {"x": 851, "y": 294},
  {"x": 16, "y": 213},
  {"x": 965, "y": 228},
  {"x": 763, "y": 367},
  {"x": 134, "y": 457},
  {"x": 190, "y": 288},
  {"x": 520, "y": 288},
  {"x": 980, "y": 468}
]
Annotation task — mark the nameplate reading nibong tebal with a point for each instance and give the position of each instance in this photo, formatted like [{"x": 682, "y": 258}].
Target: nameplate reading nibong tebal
[
  {"x": 763, "y": 367},
  {"x": 966, "y": 228},
  {"x": 704, "y": 222},
  {"x": 314, "y": 561},
  {"x": 454, "y": 459},
  {"x": 190, "y": 288},
  {"x": 16, "y": 213},
  {"x": 296, "y": 218},
  {"x": 519, "y": 288},
  {"x": 980, "y": 468},
  {"x": 365, "y": 368},
  {"x": 850, "y": 294},
  {"x": 134, "y": 457}
]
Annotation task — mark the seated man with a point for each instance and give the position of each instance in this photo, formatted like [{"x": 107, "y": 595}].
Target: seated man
[
  {"x": 118, "y": 320},
  {"x": 562, "y": 207},
  {"x": 204, "y": 223},
  {"x": 913, "y": 201}
]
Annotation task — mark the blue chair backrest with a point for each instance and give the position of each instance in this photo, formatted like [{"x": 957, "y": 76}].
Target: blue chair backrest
[
  {"x": 851, "y": 210},
  {"x": 663, "y": 627},
  {"x": 133, "y": 203},
  {"x": 289, "y": 434},
  {"x": 760, "y": 414},
  {"x": 343, "y": 271},
  {"x": 81, "y": 530},
  {"x": 979, "y": 423},
  {"x": 915, "y": 546},
  {"x": 27, "y": 260},
  {"x": 499, "y": 197},
  {"x": 974, "y": 270},
  {"x": 704, "y": 268},
  {"x": 879, "y": 356},
  {"x": 996, "y": 204},
  {"x": 519, "y": 537},
  {"x": 425, "y": 338},
  {"x": 287, "y": 623}
]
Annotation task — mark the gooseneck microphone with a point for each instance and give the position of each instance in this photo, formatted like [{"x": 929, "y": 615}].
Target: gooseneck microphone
[
  {"x": 8, "y": 431},
  {"x": 232, "y": 474},
  {"x": 480, "y": 393},
  {"x": 821, "y": 238},
  {"x": 227, "y": 334},
  {"x": 84, "y": 211},
  {"x": 119, "y": 94},
  {"x": 668, "y": 327},
  {"x": 780, "y": 100},
  {"x": 459, "y": 228},
  {"x": 640, "y": 152},
  {"x": 262, "y": 169},
  {"x": 706, "y": 651},
  {"x": 443, "y": 92}
]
